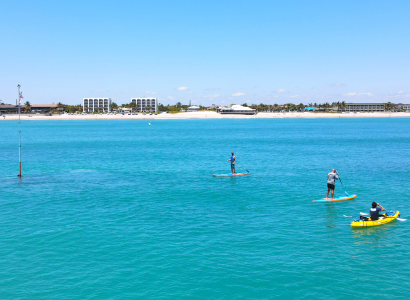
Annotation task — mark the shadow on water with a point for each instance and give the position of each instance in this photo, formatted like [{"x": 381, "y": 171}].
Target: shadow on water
[
  {"x": 375, "y": 234},
  {"x": 331, "y": 215}
]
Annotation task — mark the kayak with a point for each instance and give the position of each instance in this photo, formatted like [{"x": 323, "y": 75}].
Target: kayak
[
  {"x": 383, "y": 219},
  {"x": 232, "y": 175},
  {"x": 339, "y": 198}
]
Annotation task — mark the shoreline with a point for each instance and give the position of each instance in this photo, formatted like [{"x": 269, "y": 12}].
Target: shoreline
[{"x": 208, "y": 115}]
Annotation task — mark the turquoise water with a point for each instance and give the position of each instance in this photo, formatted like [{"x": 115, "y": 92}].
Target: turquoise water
[{"x": 123, "y": 210}]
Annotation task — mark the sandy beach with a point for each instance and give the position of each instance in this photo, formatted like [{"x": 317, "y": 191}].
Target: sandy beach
[{"x": 206, "y": 115}]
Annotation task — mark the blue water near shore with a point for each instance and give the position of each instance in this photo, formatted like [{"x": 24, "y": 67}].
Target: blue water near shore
[{"x": 123, "y": 210}]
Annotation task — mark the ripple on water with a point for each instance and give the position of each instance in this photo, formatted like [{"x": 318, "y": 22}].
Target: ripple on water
[{"x": 119, "y": 212}]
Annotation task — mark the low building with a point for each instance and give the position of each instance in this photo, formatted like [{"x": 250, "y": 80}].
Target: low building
[
  {"x": 96, "y": 104},
  {"x": 9, "y": 109},
  {"x": 149, "y": 105},
  {"x": 364, "y": 107},
  {"x": 35, "y": 108},
  {"x": 236, "y": 110},
  {"x": 193, "y": 108},
  {"x": 44, "y": 108}
]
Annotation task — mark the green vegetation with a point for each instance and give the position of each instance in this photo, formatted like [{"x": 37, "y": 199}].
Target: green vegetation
[
  {"x": 178, "y": 107},
  {"x": 27, "y": 106},
  {"x": 319, "y": 107},
  {"x": 113, "y": 106}
]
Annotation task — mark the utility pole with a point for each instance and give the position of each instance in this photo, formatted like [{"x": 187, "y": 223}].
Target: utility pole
[{"x": 19, "y": 175}]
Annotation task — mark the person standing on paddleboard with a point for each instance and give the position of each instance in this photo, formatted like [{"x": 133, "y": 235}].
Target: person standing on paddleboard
[
  {"x": 233, "y": 161},
  {"x": 331, "y": 178}
]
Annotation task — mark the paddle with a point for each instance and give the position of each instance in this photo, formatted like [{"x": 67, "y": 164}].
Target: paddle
[
  {"x": 347, "y": 194},
  {"x": 243, "y": 168},
  {"x": 402, "y": 220}
]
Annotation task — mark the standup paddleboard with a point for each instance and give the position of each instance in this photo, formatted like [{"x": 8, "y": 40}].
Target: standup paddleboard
[
  {"x": 232, "y": 175},
  {"x": 339, "y": 198}
]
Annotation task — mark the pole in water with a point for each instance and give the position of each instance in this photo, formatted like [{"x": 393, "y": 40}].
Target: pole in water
[{"x": 19, "y": 175}]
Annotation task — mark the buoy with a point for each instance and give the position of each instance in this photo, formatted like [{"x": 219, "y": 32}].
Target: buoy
[{"x": 149, "y": 124}]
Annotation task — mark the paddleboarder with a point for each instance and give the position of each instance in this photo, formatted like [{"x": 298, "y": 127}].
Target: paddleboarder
[
  {"x": 331, "y": 177},
  {"x": 233, "y": 161}
]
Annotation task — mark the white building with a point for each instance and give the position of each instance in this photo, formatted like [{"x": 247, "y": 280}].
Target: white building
[
  {"x": 193, "y": 108},
  {"x": 96, "y": 104},
  {"x": 146, "y": 104},
  {"x": 236, "y": 110}
]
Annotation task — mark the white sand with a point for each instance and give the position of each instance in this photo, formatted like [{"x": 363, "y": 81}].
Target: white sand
[{"x": 207, "y": 115}]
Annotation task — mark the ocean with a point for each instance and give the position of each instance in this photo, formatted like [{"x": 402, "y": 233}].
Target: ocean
[{"x": 122, "y": 210}]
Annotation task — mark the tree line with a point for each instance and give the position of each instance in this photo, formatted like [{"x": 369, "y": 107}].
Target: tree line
[{"x": 178, "y": 107}]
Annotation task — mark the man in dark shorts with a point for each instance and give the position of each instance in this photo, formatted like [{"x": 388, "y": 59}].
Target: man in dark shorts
[
  {"x": 233, "y": 161},
  {"x": 331, "y": 178}
]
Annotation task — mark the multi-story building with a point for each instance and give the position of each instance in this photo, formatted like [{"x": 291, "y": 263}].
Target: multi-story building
[
  {"x": 96, "y": 104},
  {"x": 146, "y": 104},
  {"x": 403, "y": 106},
  {"x": 364, "y": 107}
]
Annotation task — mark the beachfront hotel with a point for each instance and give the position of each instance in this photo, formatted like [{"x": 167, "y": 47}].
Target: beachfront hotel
[
  {"x": 96, "y": 104},
  {"x": 146, "y": 104},
  {"x": 365, "y": 107}
]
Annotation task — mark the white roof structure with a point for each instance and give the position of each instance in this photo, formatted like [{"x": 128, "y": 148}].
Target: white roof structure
[{"x": 236, "y": 109}]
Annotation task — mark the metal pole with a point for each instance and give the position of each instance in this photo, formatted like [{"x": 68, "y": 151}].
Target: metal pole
[{"x": 19, "y": 175}]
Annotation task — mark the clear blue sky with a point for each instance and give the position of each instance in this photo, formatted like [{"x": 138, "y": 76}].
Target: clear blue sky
[{"x": 209, "y": 51}]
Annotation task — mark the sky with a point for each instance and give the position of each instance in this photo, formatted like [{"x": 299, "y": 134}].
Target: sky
[{"x": 207, "y": 52}]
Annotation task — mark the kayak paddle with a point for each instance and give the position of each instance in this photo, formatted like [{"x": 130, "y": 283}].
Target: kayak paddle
[{"x": 243, "y": 168}]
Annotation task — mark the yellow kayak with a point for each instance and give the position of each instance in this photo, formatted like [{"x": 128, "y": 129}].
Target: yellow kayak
[{"x": 383, "y": 219}]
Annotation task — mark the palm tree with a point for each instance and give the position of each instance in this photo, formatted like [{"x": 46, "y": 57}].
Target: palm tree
[
  {"x": 60, "y": 106},
  {"x": 133, "y": 105},
  {"x": 113, "y": 106},
  {"x": 27, "y": 106},
  {"x": 343, "y": 105}
]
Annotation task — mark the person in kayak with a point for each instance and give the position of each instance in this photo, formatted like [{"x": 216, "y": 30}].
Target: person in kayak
[
  {"x": 374, "y": 211},
  {"x": 331, "y": 177},
  {"x": 233, "y": 161}
]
